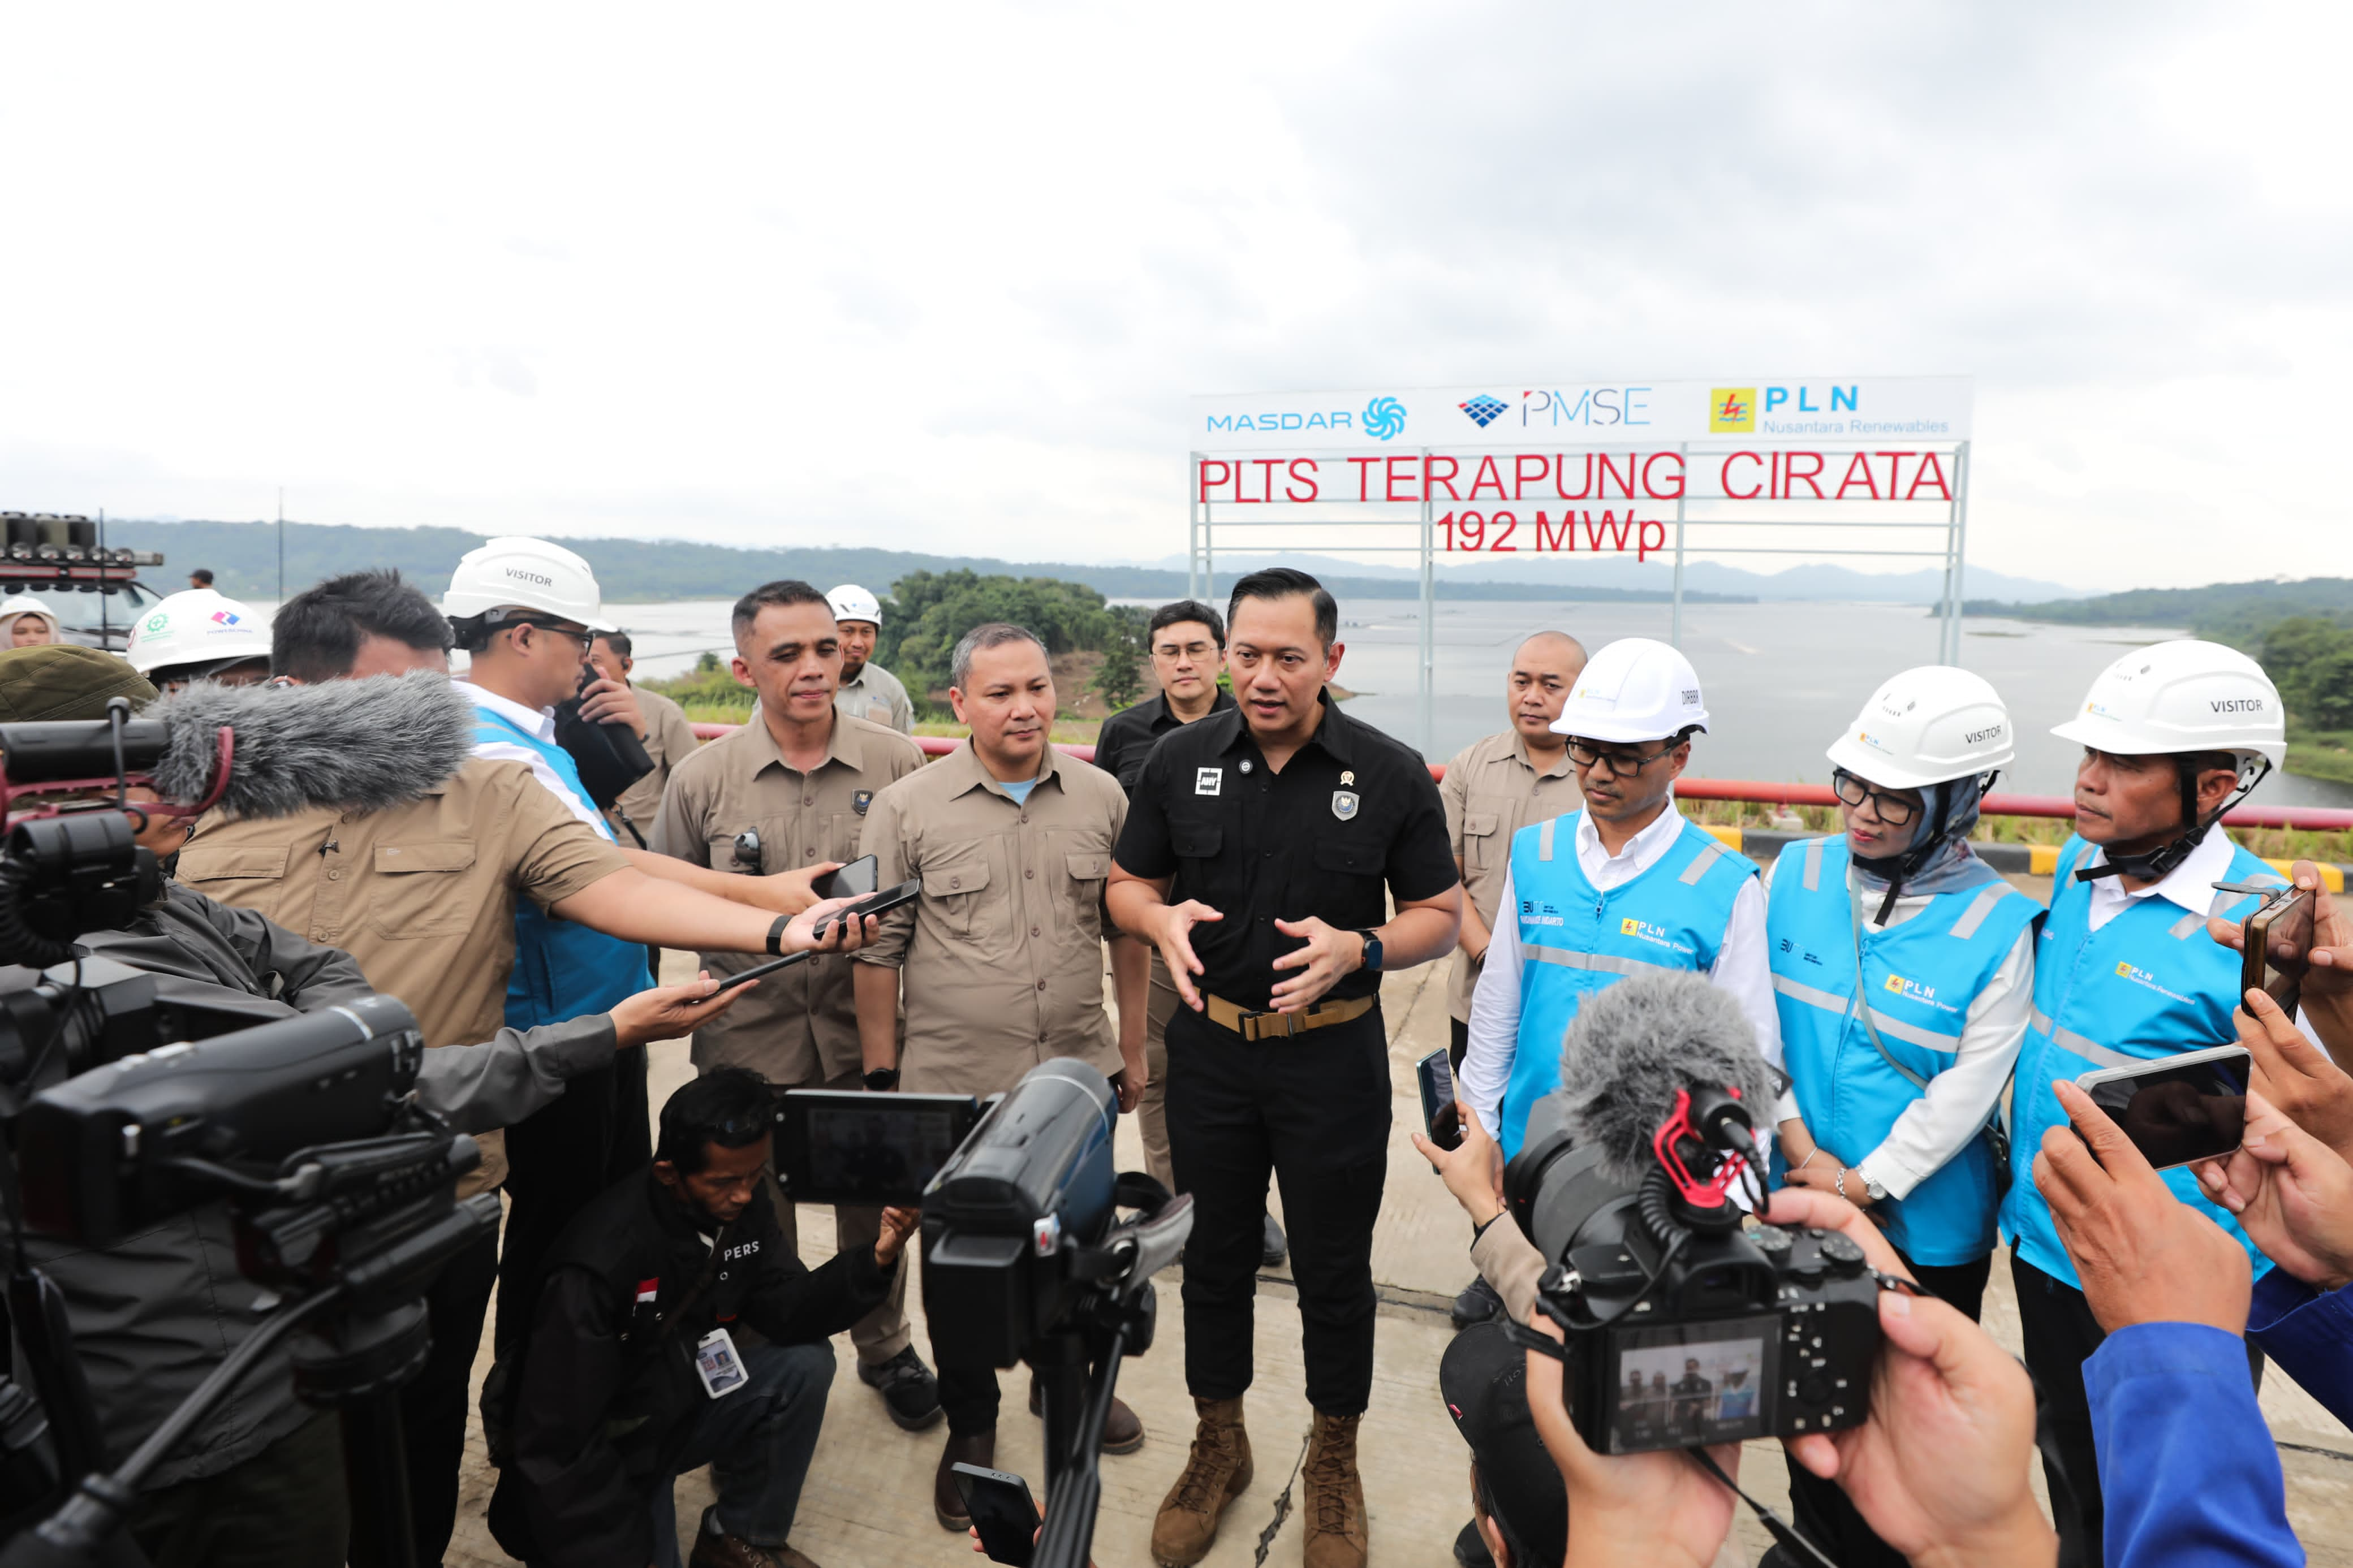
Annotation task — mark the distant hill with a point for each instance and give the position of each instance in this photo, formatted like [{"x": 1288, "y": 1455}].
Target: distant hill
[
  {"x": 2236, "y": 612},
  {"x": 243, "y": 557}
]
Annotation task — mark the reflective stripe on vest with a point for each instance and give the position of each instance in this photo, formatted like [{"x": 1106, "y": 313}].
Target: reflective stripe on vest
[
  {"x": 1575, "y": 939},
  {"x": 1919, "y": 978}
]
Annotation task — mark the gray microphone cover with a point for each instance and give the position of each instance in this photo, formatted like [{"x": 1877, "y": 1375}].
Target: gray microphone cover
[
  {"x": 1632, "y": 1045},
  {"x": 358, "y": 745}
]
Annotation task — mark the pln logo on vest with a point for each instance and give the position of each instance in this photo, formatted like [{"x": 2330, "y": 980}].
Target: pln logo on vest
[
  {"x": 1644, "y": 931},
  {"x": 1913, "y": 991},
  {"x": 2143, "y": 978}
]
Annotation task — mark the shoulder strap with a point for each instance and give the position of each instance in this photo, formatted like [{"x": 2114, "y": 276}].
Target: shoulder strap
[{"x": 1863, "y": 1007}]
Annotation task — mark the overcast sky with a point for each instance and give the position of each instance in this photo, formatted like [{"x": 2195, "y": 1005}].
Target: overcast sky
[{"x": 941, "y": 278}]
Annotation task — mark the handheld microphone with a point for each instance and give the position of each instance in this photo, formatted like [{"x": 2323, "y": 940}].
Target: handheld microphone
[{"x": 1635, "y": 1046}]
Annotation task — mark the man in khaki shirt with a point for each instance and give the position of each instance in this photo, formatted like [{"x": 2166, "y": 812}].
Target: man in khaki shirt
[
  {"x": 668, "y": 736},
  {"x": 791, "y": 788},
  {"x": 1002, "y": 957},
  {"x": 423, "y": 896},
  {"x": 1492, "y": 789}
]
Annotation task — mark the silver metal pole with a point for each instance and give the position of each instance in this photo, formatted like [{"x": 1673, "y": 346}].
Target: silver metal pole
[
  {"x": 1428, "y": 682},
  {"x": 1193, "y": 525},
  {"x": 1958, "y": 570},
  {"x": 1676, "y": 629}
]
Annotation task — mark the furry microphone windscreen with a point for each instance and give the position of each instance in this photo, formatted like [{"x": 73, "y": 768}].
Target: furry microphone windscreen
[
  {"x": 1633, "y": 1044},
  {"x": 359, "y": 746}
]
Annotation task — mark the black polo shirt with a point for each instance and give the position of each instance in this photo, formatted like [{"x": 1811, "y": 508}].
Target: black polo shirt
[
  {"x": 1127, "y": 737},
  {"x": 1352, "y": 810}
]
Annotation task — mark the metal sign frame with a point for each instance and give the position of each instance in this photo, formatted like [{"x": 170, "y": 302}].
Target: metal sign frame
[{"x": 1204, "y": 523}]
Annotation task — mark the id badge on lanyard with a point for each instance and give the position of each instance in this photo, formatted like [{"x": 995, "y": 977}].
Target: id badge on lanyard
[{"x": 718, "y": 1365}]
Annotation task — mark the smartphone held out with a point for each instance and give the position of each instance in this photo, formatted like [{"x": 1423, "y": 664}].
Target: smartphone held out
[
  {"x": 2179, "y": 1109},
  {"x": 1440, "y": 1119},
  {"x": 2276, "y": 948}
]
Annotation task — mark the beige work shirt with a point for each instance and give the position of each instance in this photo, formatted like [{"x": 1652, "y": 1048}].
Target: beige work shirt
[
  {"x": 670, "y": 741},
  {"x": 799, "y": 1028},
  {"x": 423, "y": 895},
  {"x": 1492, "y": 790},
  {"x": 1001, "y": 958}
]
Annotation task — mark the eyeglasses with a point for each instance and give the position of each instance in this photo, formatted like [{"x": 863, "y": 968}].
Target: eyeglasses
[
  {"x": 581, "y": 635},
  {"x": 1585, "y": 754},
  {"x": 1895, "y": 810}
]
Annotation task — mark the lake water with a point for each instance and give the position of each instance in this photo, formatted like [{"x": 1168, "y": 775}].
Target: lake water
[{"x": 1781, "y": 678}]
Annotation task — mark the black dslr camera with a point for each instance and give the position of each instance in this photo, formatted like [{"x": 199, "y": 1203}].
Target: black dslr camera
[{"x": 1684, "y": 1326}]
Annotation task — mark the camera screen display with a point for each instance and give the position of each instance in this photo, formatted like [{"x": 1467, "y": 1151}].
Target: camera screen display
[
  {"x": 2176, "y": 1113},
  {"x": 1680, "y": 1385},
  {"x": 849, "y": 1148}
]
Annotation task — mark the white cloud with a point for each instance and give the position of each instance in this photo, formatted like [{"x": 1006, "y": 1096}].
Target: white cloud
[{"x": 942, "y": 275}]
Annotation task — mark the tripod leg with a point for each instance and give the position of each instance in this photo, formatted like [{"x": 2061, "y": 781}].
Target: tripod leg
[{"x": 375, "y": 1469}]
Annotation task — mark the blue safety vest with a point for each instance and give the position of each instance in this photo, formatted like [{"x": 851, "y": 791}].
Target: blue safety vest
[
  {"x": 1919, "y": 978},
  {"x": 2149, "y": 984},
  {"x": 562, "y": 969},
  {"x": 1575, "y": 939}
]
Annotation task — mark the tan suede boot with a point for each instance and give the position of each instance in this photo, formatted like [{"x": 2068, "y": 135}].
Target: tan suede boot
[
  {"x": 1216, "y": 1472},
  {"x": 1334, "y": 1506}
]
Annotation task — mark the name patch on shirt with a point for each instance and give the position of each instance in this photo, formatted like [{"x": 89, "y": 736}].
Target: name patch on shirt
[{"x": 1208, "y": 781}]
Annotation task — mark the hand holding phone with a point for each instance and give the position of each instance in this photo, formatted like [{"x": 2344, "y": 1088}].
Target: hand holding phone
[
  {"x": 1004, "y": 1515},
  {"x": 2178, "y": 1109},
  {"x": 1435, "y": 1072},
  {"x": 2276, "y": 948}
]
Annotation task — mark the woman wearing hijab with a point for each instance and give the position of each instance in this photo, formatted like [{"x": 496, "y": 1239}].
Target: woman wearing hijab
[
  {"x": 26, "y": 622},
  {"x": 1904, "y": 973}
]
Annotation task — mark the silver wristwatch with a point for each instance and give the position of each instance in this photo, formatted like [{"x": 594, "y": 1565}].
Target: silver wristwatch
[{"x": 1871, "y": 1186}]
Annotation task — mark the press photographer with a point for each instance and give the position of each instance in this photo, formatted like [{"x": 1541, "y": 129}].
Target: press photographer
[{"x": 259, "y": 1478}]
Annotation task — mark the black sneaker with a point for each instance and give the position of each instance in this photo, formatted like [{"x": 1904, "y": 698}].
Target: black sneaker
[
  {"x": 1477, "y": 1304},
  {"x": 1470, "y": 1548},
  {"x": 1276, "y": 1248},
  {"x": 909, "y": 1393}
]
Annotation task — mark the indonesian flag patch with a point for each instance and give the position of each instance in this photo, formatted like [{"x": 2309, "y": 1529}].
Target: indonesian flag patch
[{"x": 647, "y": 1291}]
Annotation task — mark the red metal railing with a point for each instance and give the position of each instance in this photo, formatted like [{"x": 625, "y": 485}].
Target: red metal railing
[{"x": 2313, "y": 819}]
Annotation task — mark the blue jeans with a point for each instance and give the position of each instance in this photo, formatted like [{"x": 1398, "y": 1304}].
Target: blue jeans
[{"x": 758, "y": 1442}]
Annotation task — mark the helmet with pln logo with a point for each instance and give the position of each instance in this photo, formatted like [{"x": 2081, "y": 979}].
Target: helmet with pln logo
[
  {"x": 852, "y": 603},
  {"x": 514, "y": 572},
  {"x": 196, "y": 632},
  {"x": 1633, "y": 689},
  {"x": 1926, "y": 726}
]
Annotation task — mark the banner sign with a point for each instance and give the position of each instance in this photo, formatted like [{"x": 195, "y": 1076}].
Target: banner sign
[{"x": 1812, "y": 411}]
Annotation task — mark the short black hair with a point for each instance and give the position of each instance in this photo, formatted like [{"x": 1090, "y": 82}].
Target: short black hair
[
  {"x": 316, "y": 634},
  {"x": 989, "y": 634},
  {"x": 619, "y": 642},
  {"x": 202, "y": 575},
  {"x": 730, "y": 1106},
  {"x": 782, "y": 592},
  {"x": 1185, "y": 610},
  {"x": 1282, "y": 582}
]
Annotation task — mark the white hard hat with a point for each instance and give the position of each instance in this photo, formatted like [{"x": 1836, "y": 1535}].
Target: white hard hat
[
  {"x": 852, "y": 603},
  {"x": 196, "y": 626},
  {"x": 1926, "y": 726},
  {"x": 1633, "y": 689},
  {"x": 528, "y": 573},
  {"x": 2185, "y": 696},
  {"x": 17, "y": 604}
]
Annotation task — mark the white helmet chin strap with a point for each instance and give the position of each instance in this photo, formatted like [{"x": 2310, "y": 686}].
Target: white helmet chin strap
[{"x": 2155, "y": 865}]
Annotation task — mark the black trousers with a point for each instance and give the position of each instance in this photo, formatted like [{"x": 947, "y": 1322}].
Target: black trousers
[
  {"x": 284, "y": 1508},
  {"x": 1314, "y": 1112},
  {"x": 969, "y": 1396},
  {"x": 434, "y": 1406},
  {"x": 558, "y": 1159},
  {"x": 1457, "y": 1042},
  {"x": 1821, "y": 1509},
  {"x": 2060, "y": 1334}
]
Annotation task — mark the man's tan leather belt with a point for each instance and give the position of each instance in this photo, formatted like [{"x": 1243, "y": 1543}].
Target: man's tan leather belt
[{"x": 1252, "y": 1026}]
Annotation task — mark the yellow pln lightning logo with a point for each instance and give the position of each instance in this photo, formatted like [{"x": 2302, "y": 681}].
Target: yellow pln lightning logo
[{"x": 1732, "y": 410}]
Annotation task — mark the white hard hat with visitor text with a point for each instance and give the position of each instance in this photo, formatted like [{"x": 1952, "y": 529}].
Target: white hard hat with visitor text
[
  {"x": 1633, "y": 689},
  {"x": 526, "y": 574}
]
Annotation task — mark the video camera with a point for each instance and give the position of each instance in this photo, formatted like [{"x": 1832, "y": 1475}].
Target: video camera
[
  {"x": 1685, "y": 1328},
  {"x": 1025, "y": 1256},
  {"x": 126, "y": 1108}
]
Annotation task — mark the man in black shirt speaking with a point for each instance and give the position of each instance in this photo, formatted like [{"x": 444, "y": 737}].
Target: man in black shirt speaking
[{"x": 1257, "y": 846}]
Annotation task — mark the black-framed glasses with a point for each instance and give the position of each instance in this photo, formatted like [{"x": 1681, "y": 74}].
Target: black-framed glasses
[
  {"x": 1895, "y": 810},
  {"x": 1585, "y": 754},
  {"x": 581, "y": 635}
]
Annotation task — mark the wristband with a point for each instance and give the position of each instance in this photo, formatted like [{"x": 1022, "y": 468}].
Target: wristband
[{"x": 776, "y": 936}]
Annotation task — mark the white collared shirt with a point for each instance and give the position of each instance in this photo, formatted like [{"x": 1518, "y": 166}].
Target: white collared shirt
[
  {"x": 1740, "y": 965},
  {"x": 2188, "y": 885},
  {"x": 539, "y": 722}
]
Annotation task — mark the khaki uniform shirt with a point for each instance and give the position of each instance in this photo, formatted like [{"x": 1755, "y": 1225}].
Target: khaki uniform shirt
[
  {"x": 422, "y": 895},
  {"x": 1492, "y": 791},
  {"x": 1002, "y": 956},
  {"x": 799, "y": 1028},
  {"x": 877, "y": 696},
  {"x": 670, "y": 741}
]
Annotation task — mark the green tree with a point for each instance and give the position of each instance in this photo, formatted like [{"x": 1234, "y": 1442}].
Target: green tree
[
  {"x": 1119, "y": 681},
  {"x": 928, "y": 611},
  {"x": 2311, "y": 662}
]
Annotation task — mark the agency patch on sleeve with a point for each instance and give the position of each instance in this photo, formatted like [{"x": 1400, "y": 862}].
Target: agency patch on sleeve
[{"x": 1208, "y": 781}]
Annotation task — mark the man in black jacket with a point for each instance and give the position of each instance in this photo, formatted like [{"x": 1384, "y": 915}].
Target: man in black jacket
[{"x": 626, "y": 1381}]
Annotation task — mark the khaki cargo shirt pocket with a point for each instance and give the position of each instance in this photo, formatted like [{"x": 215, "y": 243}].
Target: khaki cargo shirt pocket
[
  {"x": 422, "y": 890},
  {"x": 957, "y": 888},
  {"x": 233, "y": 864},
  {"x": 1481, "y": 849}
]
